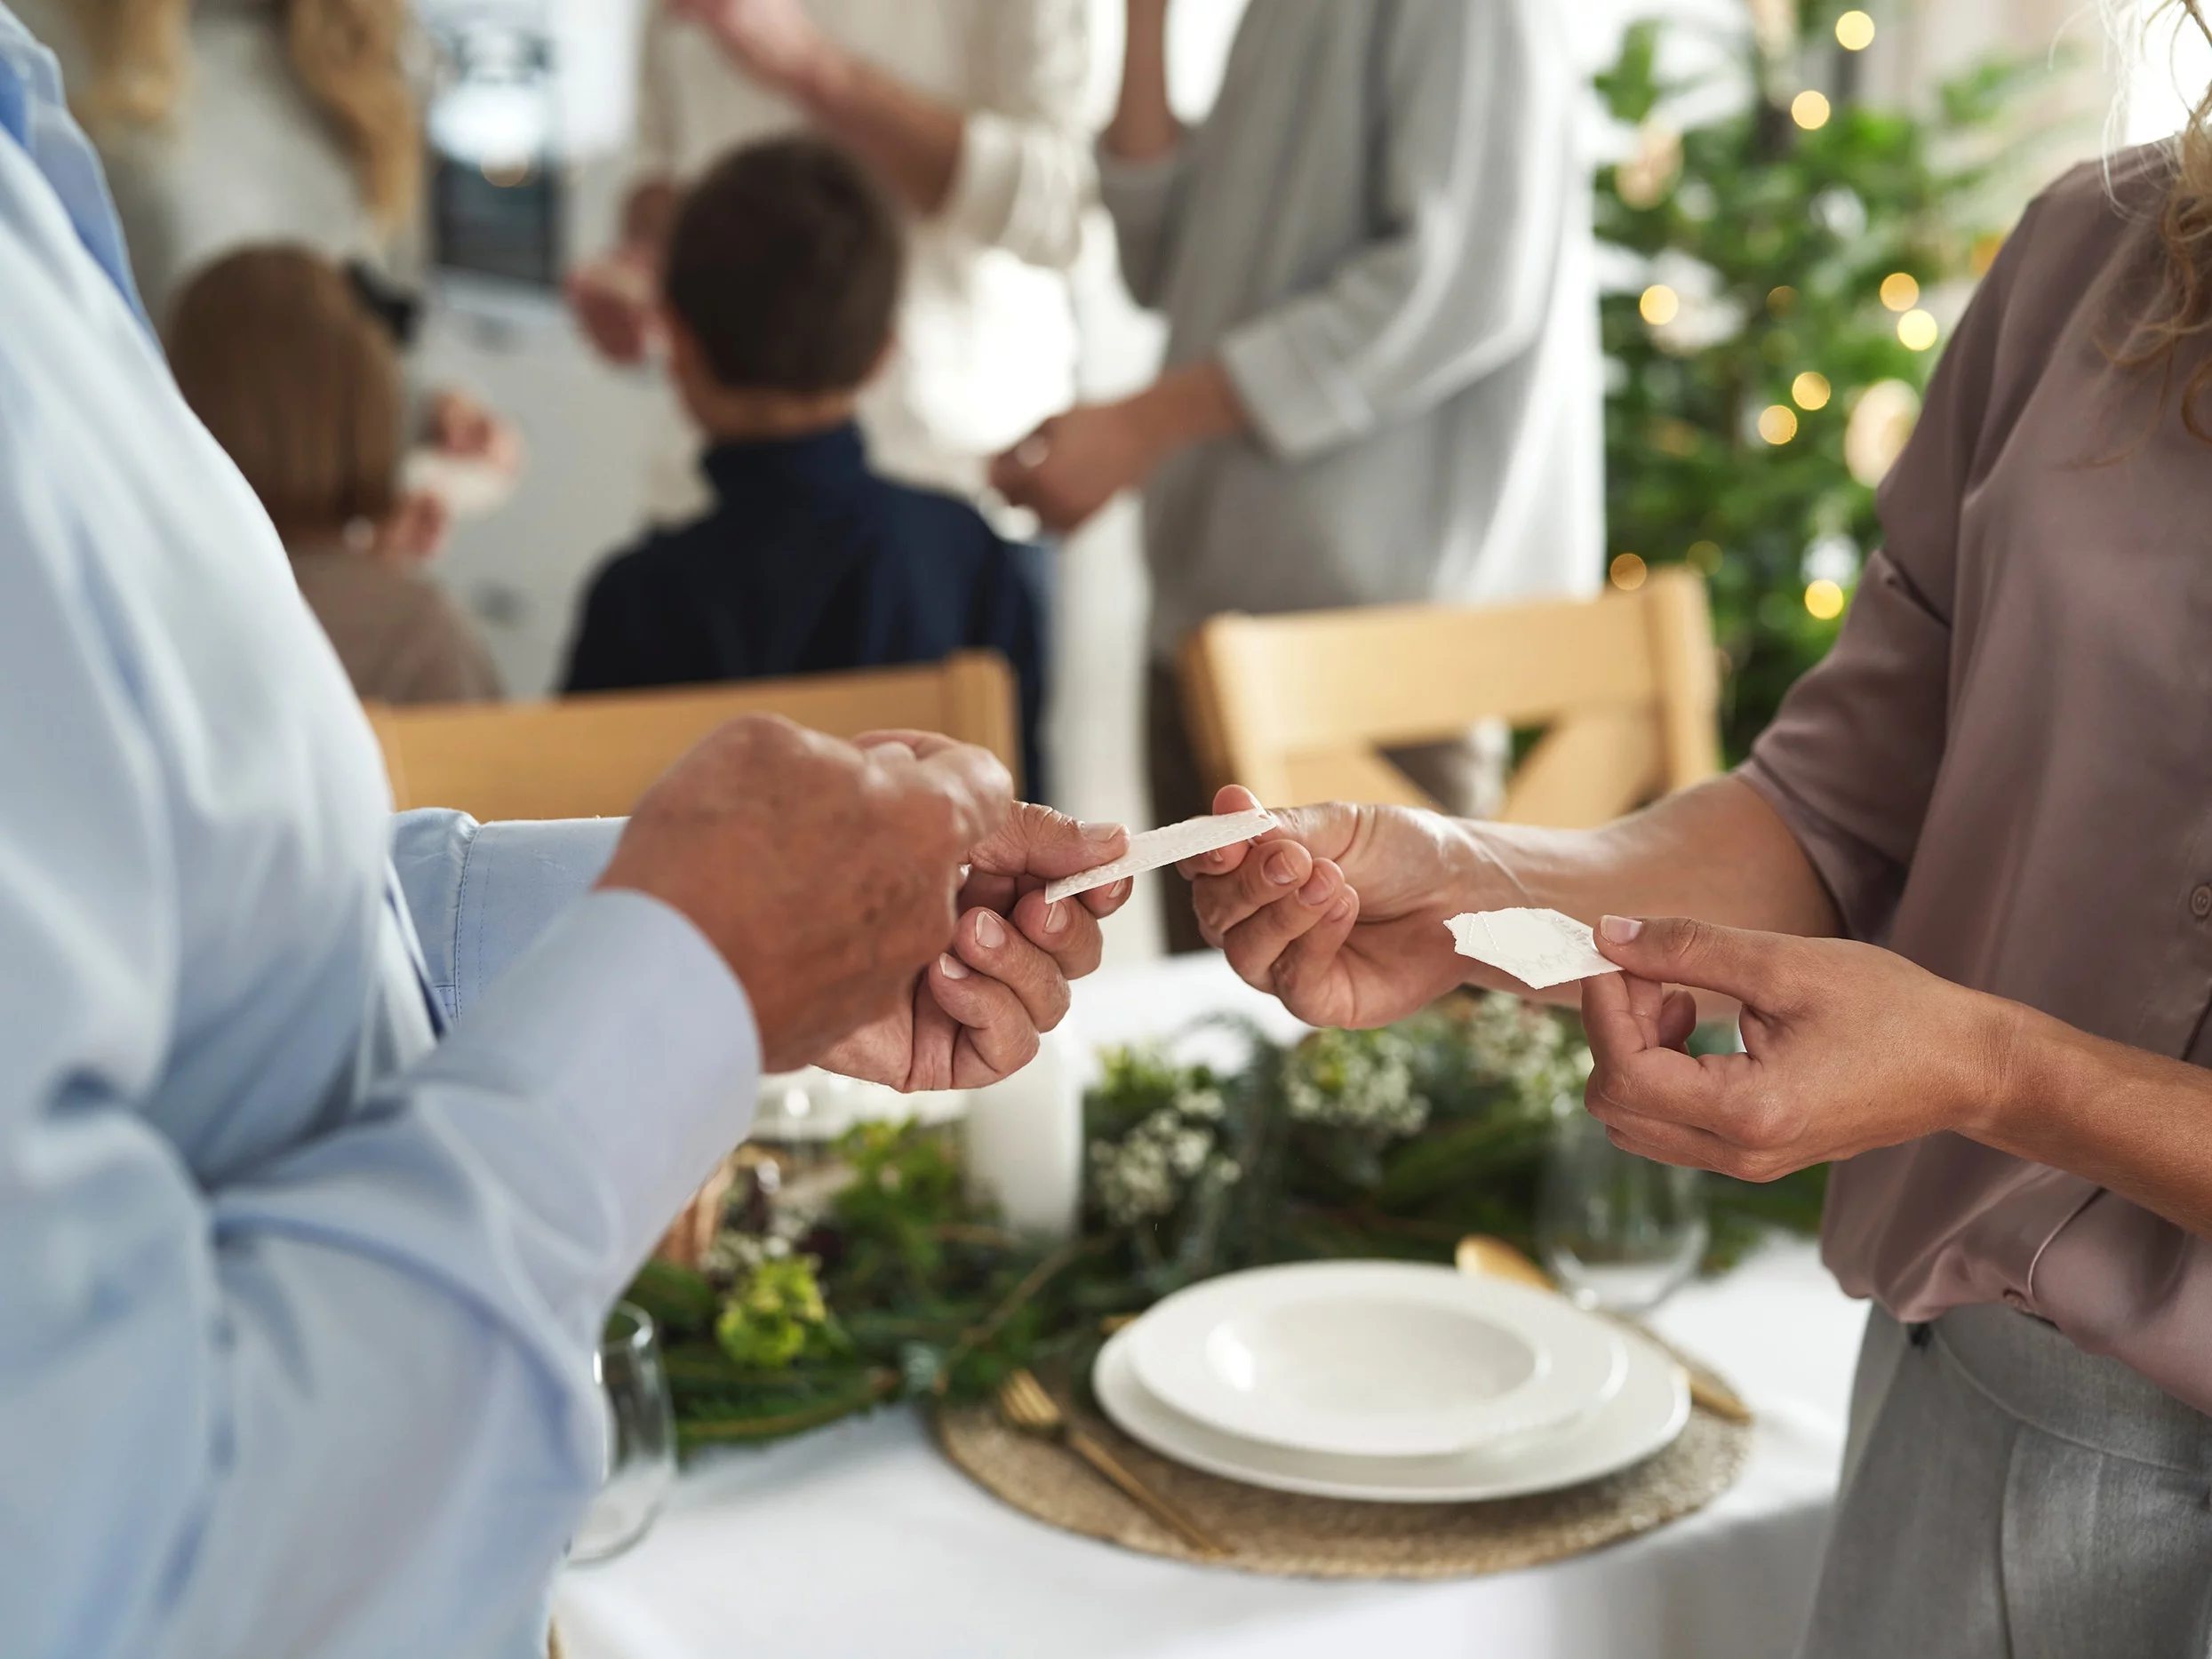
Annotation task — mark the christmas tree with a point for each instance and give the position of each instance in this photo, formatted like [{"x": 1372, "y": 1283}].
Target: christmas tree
[{"x": 1798, "y": 256}]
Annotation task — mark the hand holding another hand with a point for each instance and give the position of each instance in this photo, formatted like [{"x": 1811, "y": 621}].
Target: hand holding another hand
[
  {"x": 825, "y": 874},
  {"x": 881, "y": 902},
  {"x": 1076, "y": 463},
  {"x": 975, "y": 1014},
  {"x": 1847, "y": 1048}
]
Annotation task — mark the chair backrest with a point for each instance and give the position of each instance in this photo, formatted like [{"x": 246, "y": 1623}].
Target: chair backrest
[
  {"x": 1297, "y": 707},
  {"x": 593, "y": 755}
]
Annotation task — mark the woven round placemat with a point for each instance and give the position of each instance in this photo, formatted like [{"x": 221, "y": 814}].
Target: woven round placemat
[{"x": 1314, "y": 1538}]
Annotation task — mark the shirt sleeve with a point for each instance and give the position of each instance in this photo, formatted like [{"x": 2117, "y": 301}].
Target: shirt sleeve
[
  {"x": 480, "y": 895},
  {"x": 1024, "y": 178},
  {"x": 1146, "y": 201},
  {"x": 655, "y": 147},
  {"x": 1476, "y": 161},
  {"x": 1850, "y": 760},
  {"x": 334, "y": 1397}
]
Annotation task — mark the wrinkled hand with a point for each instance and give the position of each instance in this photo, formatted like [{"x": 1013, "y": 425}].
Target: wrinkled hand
[
  {"x": 613, "y": 301},
  {"x": 826, "y": 875},
  {"x": 1340, "y": 910},
  {"x": 1076, "y": 463},
  {"x": 1848, "y": 1048},
  {"x": 975, "y": 1014},
  {"x": 774, "y": 41}
]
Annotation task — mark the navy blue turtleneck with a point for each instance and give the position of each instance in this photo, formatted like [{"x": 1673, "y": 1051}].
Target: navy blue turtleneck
[{"x": 810, "y": 562}]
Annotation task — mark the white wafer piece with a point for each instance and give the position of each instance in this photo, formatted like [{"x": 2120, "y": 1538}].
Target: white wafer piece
[
  {"x": 1157, "y": 849},
  {"x": 1537, "y": 947}
]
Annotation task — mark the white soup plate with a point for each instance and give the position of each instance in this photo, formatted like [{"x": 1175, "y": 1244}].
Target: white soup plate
[
  {"x": 1642, "y": 1418},
  {"x": 1375, "y": 1358}
]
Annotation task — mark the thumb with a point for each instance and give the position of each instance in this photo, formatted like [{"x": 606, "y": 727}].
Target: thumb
[
  {"x": 1752, "y": 968},
  {"x": 1036, "y": 841}
]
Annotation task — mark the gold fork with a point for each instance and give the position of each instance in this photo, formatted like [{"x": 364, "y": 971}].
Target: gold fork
[{"x": 1025, "y": 1404}]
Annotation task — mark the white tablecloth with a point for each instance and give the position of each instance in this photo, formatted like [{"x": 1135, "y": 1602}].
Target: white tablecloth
[{"x": 861, "y": 1539}]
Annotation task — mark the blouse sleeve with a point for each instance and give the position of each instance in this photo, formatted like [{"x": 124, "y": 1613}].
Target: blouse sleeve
[
  {"x": 1849, "y": 763},
  {"x": 1025, "y": 178}
]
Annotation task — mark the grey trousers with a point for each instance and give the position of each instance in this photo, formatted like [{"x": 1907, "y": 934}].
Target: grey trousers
[{"x": 2008, "y": 1496}]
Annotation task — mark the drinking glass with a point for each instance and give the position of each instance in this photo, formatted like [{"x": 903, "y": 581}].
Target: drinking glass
[
  {"x": 1620, "y": 1232},
  {"x": 641, "y": 1438}
]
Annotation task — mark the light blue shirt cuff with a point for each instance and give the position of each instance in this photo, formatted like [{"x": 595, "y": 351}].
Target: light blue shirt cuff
[
  {"x": 481, "y": 894},
  {"x": 631, "y": 1032}
]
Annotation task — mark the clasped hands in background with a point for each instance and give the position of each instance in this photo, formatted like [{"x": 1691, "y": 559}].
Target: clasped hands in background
[
  {"x": 880, "y": 901},
  {"x": 1340, "y": 912}
]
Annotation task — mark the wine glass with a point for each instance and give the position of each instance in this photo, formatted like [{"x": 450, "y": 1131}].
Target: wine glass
[
  {"x": 641, "y": 1438},
  {"x": 1620, "y": 1232}
]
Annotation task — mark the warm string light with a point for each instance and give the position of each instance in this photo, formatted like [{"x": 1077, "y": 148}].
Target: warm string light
[
  {"x": 1918, "y": 331},
  {"x": 1825, "y": 599},
  {"x": 1778, "y": 424},
  {"x": 1660, "y": 305},
  {"x": 1854, "y": 31},
  {"x": 1900, "y": 290},
  {"x": 1810, "y": 110},
  {"x": 1704, "y": 556},
  {"x": 1629, "y": 571},
  {"x": 1811, "y": 391}
]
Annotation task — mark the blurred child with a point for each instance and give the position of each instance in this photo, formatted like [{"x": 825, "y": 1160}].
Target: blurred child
[
  {"x": 782, "y": 276},
  {"x": 299, "y": 380}
]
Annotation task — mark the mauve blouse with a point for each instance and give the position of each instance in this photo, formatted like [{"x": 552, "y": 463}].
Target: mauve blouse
[{"x": 2004, "y": 769}]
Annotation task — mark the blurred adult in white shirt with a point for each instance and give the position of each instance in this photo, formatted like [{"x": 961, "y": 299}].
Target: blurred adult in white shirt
[{"x": 971, "y": 110}]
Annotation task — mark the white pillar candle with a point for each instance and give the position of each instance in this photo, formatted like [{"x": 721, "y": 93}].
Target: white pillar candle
[{"x": 1025, "y": 1144}]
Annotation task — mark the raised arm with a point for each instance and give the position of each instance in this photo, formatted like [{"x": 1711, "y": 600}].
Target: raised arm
[
  {"x": 1012, "y": 171},
  {"x": 1143, "y": 160}
]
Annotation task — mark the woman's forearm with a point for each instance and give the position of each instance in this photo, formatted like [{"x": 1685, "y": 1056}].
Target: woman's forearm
[
  {"x": 1144, "y": 127},
  {"x": 912, "y": 139},
  {"x": 2136, "y": 1122},
  {"x": 1717, "y": 851}
]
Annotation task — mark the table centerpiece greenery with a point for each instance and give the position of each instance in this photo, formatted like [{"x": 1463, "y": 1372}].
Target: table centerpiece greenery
[{"x": 1394, "y": 1143}]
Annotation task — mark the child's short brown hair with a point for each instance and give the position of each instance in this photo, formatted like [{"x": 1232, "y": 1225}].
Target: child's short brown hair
[
  {"x": 785, "y": 264},
  {"x": 298, "y": 382}
]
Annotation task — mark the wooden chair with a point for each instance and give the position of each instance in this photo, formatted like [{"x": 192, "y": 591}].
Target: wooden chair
[
  {"x": 1297, "y": 708},
  {"x": 593, "y": 755}
]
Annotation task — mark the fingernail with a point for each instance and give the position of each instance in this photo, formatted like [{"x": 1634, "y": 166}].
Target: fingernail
[
  {"x": 1341, "y": 910},
  {"x": 952, "y": 967},
  {"x": 1618, "y": 929},
  {"x": 1122, "y": 888},
  {"x": 990, "y": 931},
  {"x": 1314, "y": 890},
  {"x": 1099, "y": 832},
  {"x": 1056, "y": 916},
  {"x": 1283, "y": 867}
]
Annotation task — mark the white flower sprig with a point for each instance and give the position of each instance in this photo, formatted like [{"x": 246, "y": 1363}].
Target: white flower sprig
[{"x": 1170, "y": 1153}]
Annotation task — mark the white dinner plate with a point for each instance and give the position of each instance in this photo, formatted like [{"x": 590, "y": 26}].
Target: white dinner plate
[
  {"x": 1642, "y": 1418},
  {"x": 1375, "y": 1358}
]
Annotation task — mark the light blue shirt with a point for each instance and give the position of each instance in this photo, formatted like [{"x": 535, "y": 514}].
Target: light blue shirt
[{"x": 297, "y": 1297}]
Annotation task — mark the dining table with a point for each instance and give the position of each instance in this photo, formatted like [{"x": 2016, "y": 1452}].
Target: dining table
[{"x": 862, "y": 1540}]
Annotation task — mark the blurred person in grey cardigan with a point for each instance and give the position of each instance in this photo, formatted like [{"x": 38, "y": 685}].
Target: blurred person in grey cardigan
[{"x": 1382, "y": 380}]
